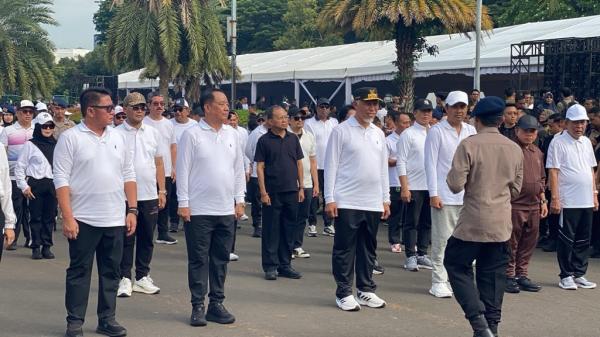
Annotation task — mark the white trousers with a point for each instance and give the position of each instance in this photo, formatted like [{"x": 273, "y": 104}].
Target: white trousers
[{"x": 443, "y": 222}]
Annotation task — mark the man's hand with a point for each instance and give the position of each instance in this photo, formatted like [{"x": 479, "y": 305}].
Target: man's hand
[
  {"x": 239, "y": 210},
  {"x": 173, "y": 175},
  {"x": 436, "y": 202},
  {"x": 70, "y": 228},
  {"x": 301, "y": 195},
  {"x": 9, "y": 236},
  {"x": 315, "y": 192},
  {"x": 555, "y": 206},
  {"x": 331, "y": 210},
  {"x": 28, "y": 194},
  {"x": 544, "y": 210},
  {"x": 265, "y": 199},
  {"x": 405, "y": 195},
  {"x": 595, "y": 203},
  {"x": 386, "y": 211},
  {"x": 184, "y": 213},
  {"x": 162, "y": 200},
  {"x": 247, "y": 177},
  {"x": 130, "y": 223}
]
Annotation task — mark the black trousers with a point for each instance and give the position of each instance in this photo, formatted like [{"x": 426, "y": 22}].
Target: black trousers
[
  {"x": 144, "y": 233},
  {"x": 21, "y": 212},
  {"x": 572, "y": 248},
  {"x": 42, "y": 211},
  {"x": 354, "y": 248},
  {"x": 396, "y": 220},
  {"x": 163, "y": 214},
  {"x": 486, "y": 296},
  {"x": 549, "y": 225},
  {"x": 254, "y": 196},
  {"x": 208, "y": 240},
  {"x": 319, "y": 201},
  {"x": 173, "y": 204},
  {"x": 417, "y": 224},
  {"x": 279, "y": 225},
  {"x": 303, "y": 212},
  {"x": 596, "y": 231},
  {"x": 107, "y": 244}
]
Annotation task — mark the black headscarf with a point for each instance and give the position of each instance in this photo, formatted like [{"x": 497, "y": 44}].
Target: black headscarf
[{"x": 45, "y": 144}]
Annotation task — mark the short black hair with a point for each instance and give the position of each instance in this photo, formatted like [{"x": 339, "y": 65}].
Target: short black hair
[
  {"x": 269, "y": 112},
  {"x": 92, "y": 96},
  {"x": 153, "y": 94},
  {"x": 208, "y": 96},
  {"x": 398, "y": 114},
  {"x": 508, "y": 92},
  {"x": 555, "y": 117},
  {"x": 490, "y": 120},
  {"x": 509, "y": 104},
  {"x": 475, "y": 90},
  {"x": 344, "y": 112},
  {"x": 565, "y": 92}
]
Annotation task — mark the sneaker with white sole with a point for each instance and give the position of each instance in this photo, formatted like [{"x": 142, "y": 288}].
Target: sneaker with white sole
[
  {"x": 329, "y": 230},
  {"x": 166, "y": 239},
  {"x": 369, "y": 299},
  {"x": 233, "y": 257},
  {"x": 440, "y": 290},
  {"x": 424, "y": 262},
  {"x": 568, "y": 283},
  {"x": 124, "y": 288},
  {"x": 411, "y": 264},
  {"x": 145, "y": 285},
  {"x": 347, "y": 303},
  {"x": 582, "y": 282},
  {"x": 244, "y": 217},
  {"x": 299, "y": 252},
  {"x": 312, "y": 231}
]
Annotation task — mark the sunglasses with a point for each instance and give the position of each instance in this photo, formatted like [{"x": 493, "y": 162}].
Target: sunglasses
[
  {"x": 324, "y": 106},
  {"x": 139, "y": 107},
  {"x": 48, "y": 126},
  {"x": 298, "y": 118},
  {"x": 178, "y": 109},
  {"x": 107, "y": 108},
  {"x": 27, "y": 112},
  {"x": 120, "y": 117}
]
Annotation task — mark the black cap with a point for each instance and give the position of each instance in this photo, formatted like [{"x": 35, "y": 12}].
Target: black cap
[
  {"x": 366, "y": 94},
  {"x": 261, "y": 116},
  {"x": 423, "y": 104},
  {"x": 181, "y": 102},
  {"x": 527, "y": 122},
  {"x": 489, "y": 106},
  {"x": 323, "y": 100},
  {"x": 294, "y": 112}
]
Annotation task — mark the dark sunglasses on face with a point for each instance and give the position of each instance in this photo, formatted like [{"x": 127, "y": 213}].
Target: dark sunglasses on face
[
  {"x": 324, "y": 106},
  {"x": 107, "y": 108},
  {"x": 298, "y": 118},
  {"x": 139, "y": 108},
  {"x": 27, "y": 112},
  {"x": 48, "y": 126},
  {"x": 120, "y": 116},
  {"x": 178, "y": 109}
]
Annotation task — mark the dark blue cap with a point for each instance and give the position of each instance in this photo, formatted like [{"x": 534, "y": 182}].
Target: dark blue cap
[
  {"x": 10, "y": 109},
  {"x": 60, "y": 102},
  {"x": 437, "y": 114},
  {"x": 489, "y": 106}
]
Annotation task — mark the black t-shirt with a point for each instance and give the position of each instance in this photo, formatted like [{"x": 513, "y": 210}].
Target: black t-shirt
[{"x": 280, "y": 156}]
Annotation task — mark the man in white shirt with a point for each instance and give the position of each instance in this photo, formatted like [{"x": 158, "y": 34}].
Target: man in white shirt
[
  {"x": 402, "y": 121},
  {"x": 149, "y": 172},
  {"x": 440, "y": 145},
  {"x": 14, "y": 137},
  {"x": 168, "y": 151},
  {"x": 210, "y": 190},
  {"x": 321, "y": 126},
  {"x": 94, "y": 176},
  {"x": 311, "y": 179},
  {"x": 571, "y": 164},
  {"x": 253, "y": 190},
  {"x": 411, "y": 169},
  {"x": 357, "y": 196},
  {"x": 8, "y": 217}
]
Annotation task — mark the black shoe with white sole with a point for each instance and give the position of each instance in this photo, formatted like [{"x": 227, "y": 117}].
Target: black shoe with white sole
[
  {"x": 166, "y": 239},
  {"x": 111, "y": 329},
  {"x": 217, "y": 313}
]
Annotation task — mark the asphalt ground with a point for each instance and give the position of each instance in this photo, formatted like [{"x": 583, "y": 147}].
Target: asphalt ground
[{"x": 32, "y": 299}]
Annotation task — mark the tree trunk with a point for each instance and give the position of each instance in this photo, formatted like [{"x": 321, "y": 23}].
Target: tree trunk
[
  {"x": 163, "y": 79},
  {"x": 406, "y": 40}
]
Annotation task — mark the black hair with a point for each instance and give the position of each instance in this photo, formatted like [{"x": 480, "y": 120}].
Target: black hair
[
  {"x": 595, "y": 110},
  {"x": 475, "y": 90},
  {"x": 208, "y": 96},
  {"x": 269, "y": 112},
  {"x": 398, "y": 114},
  {"x": 490, "y": 120},
  {"x": 153, "y": 94},
  {"x": 508, "y": 92},
  {"x": 565, "y": 92},
  {"x": 91, "y": 97},
  {"x": 344, "y": 112},
  {"x": 510, "y": 104}
]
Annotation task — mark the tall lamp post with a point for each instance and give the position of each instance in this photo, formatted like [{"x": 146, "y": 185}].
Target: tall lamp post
[
  {"x": 477, "y": 72},
  {"x": 232, "y": 36}
]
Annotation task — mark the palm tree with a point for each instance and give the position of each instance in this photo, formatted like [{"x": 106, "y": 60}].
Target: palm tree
[
  {"x": 177, "y": 40},
  {"x": 26, "y": 55},
  {"x": 408, "y": 19}
]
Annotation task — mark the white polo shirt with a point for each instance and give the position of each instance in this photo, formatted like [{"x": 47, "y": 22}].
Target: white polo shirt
[
  {"x": 321, "y": 130},
  {"x": 410, "y": 151},
  {"x": 31, "y": 163},
  {"x": 145, "y": 143},
  {"x": 210, "y": 170},
  {"x": 167, "y": 137},
  {"x": 356, "y": 175},
  {"x": 309, "y": 150},
  {"x": 391, "y": 142},
  {"x": 95, "y": 168},
  {"x": 178, "y": 128},
  {"x": 575, "y": 159},
  {"x": 251, "y": 146},
  {"x": 243, "y": 134},
  {"x": 440, "y": 145},
  {"x": 14, "y": 138},
  {"x": 10, "y": 219}
]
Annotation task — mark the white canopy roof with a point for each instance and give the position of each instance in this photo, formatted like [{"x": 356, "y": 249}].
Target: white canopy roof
[{"x": 373, "y": 60}]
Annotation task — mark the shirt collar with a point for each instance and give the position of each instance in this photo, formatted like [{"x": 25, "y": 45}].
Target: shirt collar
[
  {"x": 84, "y": 128},
  {"x": 130, "y": 128},
  {"x": 19, "y": 126},
  {"x": 419, "y": 127},
  {"x": 354, "y": 122},
  {"x": 568, "y": 136},
  {"x": 489, "y": 129}
]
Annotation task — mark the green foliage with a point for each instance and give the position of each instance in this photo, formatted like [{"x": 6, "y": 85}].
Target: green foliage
[
  {"x": 260, "y": 23},
  {"x": 243, "y": 116},
  {"x": 507, "y": 12},
  {"x": 102, "y": 18}
]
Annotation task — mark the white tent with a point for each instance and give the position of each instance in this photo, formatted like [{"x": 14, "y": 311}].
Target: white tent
[{"x": 371, "y": 61}]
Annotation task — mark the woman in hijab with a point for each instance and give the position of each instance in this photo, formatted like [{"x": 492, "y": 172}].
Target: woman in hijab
[
  {"x": 33, "y": 173},
  {"x": 8, "y": 117}
]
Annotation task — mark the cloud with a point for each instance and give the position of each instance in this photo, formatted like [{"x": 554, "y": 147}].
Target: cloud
[{"x": 76, "y": 28}]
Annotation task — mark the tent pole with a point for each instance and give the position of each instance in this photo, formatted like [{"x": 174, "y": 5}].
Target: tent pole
[{"x": 477, "y": 72}]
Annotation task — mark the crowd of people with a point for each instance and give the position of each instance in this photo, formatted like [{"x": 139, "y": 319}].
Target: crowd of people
[{"x": 468, "y": 184}]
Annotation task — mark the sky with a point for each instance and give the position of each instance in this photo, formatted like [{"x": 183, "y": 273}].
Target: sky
[{"x": 76, "y": 28}]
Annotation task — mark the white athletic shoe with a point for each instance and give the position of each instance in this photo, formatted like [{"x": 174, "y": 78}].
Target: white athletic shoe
[
  {"x": 124, "y": 288},
  {"x": 369, "y": 299},
  {"x": 329, "y": 231},
  {"x": 411, "y": 264},
  {"x": 582, "y": 282},
  {"x": 312, "y": 231},
  {"x": 233, "y": 257},
  {"x": 244, "y": 217},
  {"x": 299, "y": 252},
  {"x": 440, "y": 290},
  {"x": 347, "y": 303},
  {"x": 568, "y": 283},
  {"x": 145, "y": 285}
]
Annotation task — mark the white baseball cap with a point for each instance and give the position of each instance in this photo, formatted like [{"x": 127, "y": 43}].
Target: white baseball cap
[
  {"x": 41, "y": 107},
  {"x": 577, "y": 113},
  {"x": 118, "y": 109},
  {"x": 26, "y": 104},
  {"x": 43, "y": 118},
  {"x": 457, "y": 97}
]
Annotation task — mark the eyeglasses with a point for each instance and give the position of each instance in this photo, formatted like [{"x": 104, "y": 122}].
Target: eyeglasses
[
  {"x": 48, "y": 126},
  {"x": 107, "y": 108},
  {"x": 324, "y": 106},
  {"x": 158, "y": 103},
  {"x": 27, "y": 112},
  {"x": 178, "y": 109},
  {"x": 140, "y": 107},
  {"x": 298, "y": 118},
  {"x": 120, "y": 117}
]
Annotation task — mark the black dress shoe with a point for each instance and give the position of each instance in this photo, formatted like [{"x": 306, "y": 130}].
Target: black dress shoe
[
  {"x": 198, "y": 318},
  {"x": 47, "y": 253},
  {"x": 484, "y": 333},
  {"x": 289, "y": 273},
  {"x": 512, "y": 286},
  {"x": 111, "y": 329},
  {"x": 527, "y": 285},
  {"x": 271, "y": 275},
  {"x": 480, "y": 327},
  {"x": 74, "y": 330},
  {"x": 217, "y": 313},
  {"x": 36, "y": 254},
  {"x": 257, "y": 232}
]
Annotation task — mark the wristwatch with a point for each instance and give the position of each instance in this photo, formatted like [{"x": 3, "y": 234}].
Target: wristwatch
[
  {"x": 133, "y": 210},
  {"x": 543, "y": 201}
]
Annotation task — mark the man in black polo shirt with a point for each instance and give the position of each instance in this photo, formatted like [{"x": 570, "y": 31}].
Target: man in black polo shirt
[{"x": 279, "y": 166}]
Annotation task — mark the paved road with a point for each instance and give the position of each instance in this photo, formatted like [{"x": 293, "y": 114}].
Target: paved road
[{"x": 32, "y": 297}]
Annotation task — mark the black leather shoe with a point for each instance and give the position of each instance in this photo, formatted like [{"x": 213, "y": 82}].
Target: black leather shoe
[
  {"x": 74, "y": 330},
  {"x": 512, "y": 286},
  {"x": 111, "y": 329},
  {"x": 36, "y": 254},
  {"x": 257, "y": 232},
  {"x": 493, "y": 328},
  {"x": 290, "y": 273},
  {"x": 527, "y": 285},
  {"x": 217, "y": 313},
  {"x": 198, "y": 318},
  {"x": 271, "y": 275},
  {"x": 47, "y": 253},
  {"x": 480, "y": 327}
]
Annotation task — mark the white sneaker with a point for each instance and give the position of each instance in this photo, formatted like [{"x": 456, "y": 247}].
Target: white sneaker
[
  {"x": 369, "y": 299},
  {"x": 145, "y": 285},
  {"x": 440, "y": 290},
  {"x": 582, "y": 282},
  {"x": 568, "y": 283},
  {"x": 424, "y": 262},
  {"x": 347, "y": 303},
  {"x": 411, "y": 264},
  {"x": 329, "y": 231},
  {"x": 312, "y": 231},
  {"x": 233, "y": 257},
  {"x": 124, "y": 288},
  {"x": 244, "y": 217},
  {"x": 299, "y": 252}
]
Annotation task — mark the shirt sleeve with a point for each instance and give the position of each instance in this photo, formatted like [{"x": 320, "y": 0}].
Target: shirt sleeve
[
  {"x": 128, "y": 168},
  {"x": 21, "y": 166},
  {"x": 332, "y": 162},
  {"x": 4, "y": 137},
  {"x": 591, "y": 157},
  {"x": 402, "y": 149},
  {"x": 240, "y": 176},
  {"x": 299, "y": 154},
  {"x": 461, "y": 165},
  {"x": 183, "y": 167},
  {"x": 10, "y": 219},
  {"x": 63, "y": 160},
  {"x": 517, "y": 183},
  {"x": 432, "y": 146},
  {"x": 312, "y": 149},
  {"x": 260, "y": 153},
  {"x": 552, "y": 160},
  {"x": 385, "y": 177}
]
